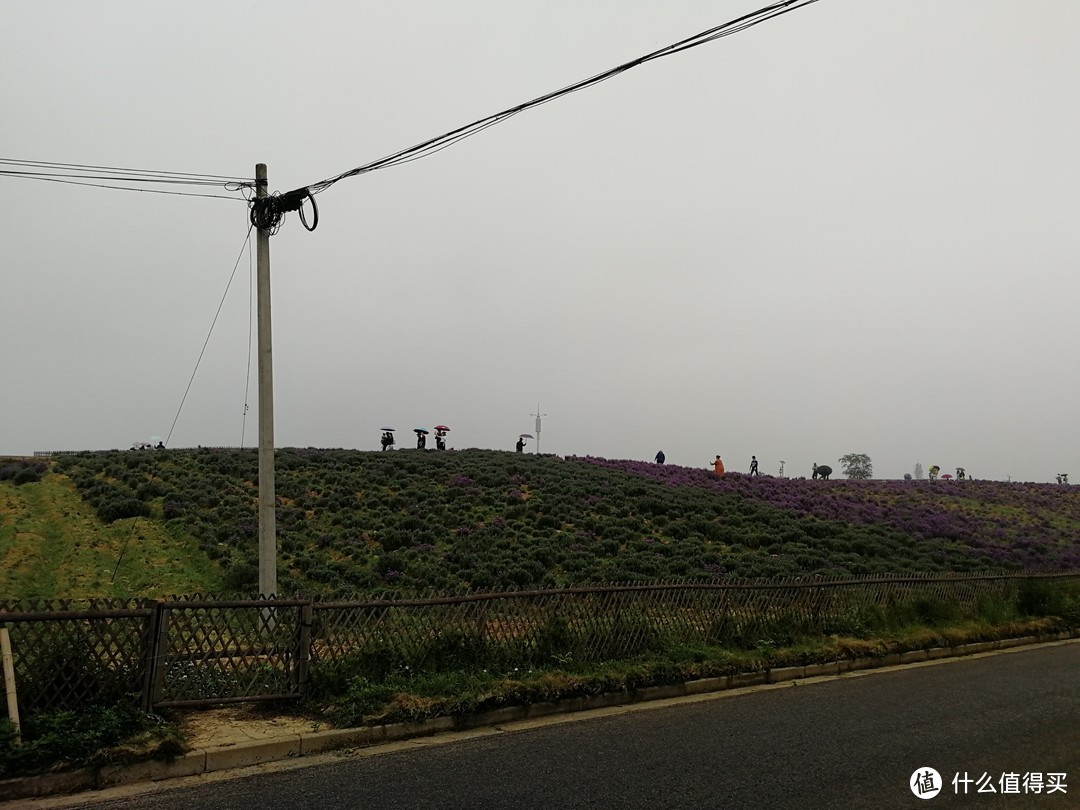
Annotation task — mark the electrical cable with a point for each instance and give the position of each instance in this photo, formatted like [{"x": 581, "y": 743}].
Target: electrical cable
[
  {"x": 42, "y": 164},
  {"x": 315, "y": 213},
  {"x": 177, "y": 181},
  {"x": 268, "y": 212},
  {"x": 251, "y": 308},
  {"x": 123, "y": 548},
  {"x": 433, "y": 145},
  {"x": 80, "y": 174},
  {"x": 247, "y": 240},
  {"x": 127, "y": 188}
]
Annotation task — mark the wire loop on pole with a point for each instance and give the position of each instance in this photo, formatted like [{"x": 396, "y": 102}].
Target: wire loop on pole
[{"x": 267, "y": 213}]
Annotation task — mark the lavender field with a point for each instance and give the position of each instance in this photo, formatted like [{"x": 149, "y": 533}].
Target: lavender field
[
  {"x": 411, "y": 521},
  {"x": 1016, "y": 525}
]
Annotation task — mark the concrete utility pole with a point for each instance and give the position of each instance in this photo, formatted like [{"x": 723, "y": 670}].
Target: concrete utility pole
[{"x": 267, "y": 496}]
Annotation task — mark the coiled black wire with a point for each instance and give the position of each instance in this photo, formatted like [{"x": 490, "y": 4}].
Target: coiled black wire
[{"x": 267, "y": 213}]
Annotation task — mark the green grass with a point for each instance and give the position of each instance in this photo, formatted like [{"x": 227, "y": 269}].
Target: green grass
[{"x": 53, "y": 546}]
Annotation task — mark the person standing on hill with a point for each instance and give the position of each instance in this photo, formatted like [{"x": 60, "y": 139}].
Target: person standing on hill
[
  {"x": 660, "y": 457},
  {"x": 753, "y": 466},
  {"x": 718, "y": 467},
  {"x": 520, "y": 444}
]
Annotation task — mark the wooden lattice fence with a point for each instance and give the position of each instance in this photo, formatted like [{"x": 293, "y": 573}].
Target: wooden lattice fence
[{"x": 199, "y": 651}]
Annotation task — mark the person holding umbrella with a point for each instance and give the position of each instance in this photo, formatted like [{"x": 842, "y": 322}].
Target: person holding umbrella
[
  {"x": 387, "y": 440},
  {"x": 440, "y": 436},
  {"x": 520, "y": 444},
  {"x": 421, "y": 438}
]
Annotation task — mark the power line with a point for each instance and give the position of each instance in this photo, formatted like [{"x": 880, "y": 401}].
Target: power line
[
  {"x": 429, "y": 147},
  {"x": 121, "y": 179},
  {"x": 45, "y": 164},
  {"x": 125, "y": 188},
  {"x": 268, "y": 212}
]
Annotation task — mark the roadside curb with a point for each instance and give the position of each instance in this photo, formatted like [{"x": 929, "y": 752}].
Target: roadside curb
[{"x": 209, "y": 760}]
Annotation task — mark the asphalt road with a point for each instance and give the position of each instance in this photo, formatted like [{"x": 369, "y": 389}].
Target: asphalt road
[{"x": 851, "y": 742}]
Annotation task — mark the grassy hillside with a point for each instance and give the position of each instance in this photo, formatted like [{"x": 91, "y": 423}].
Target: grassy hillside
[
  {"x": 53, "y": 546},
  {"x": 353, "y": 521}
]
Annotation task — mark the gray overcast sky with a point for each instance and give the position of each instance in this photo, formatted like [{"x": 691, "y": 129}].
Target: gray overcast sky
[{"x": 849, "y": 229}]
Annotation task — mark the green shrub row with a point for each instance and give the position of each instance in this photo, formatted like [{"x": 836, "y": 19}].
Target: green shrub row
[{"x": 22, "y": 471}]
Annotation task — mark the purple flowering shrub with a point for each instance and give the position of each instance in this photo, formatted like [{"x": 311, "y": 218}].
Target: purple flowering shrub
[{"x": 1012, "y": 525}]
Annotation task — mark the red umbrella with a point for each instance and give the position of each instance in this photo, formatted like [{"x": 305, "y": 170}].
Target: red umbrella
[
  {"x": 441, "y": 427},
  {"x": 946, "y": 475}
]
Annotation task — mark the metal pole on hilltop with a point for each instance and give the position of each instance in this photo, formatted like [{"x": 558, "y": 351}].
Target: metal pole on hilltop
[{"x": 538, "y": 416}]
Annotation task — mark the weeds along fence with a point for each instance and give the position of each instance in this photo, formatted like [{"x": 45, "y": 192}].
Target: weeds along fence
[{"x": 196, "y": 651}]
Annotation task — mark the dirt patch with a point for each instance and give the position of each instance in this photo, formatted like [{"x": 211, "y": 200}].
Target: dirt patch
[{"x": 231, "y": 725}]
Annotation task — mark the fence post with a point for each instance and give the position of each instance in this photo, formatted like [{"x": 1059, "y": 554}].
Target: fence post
[
  {"x": 150, "y": 637},
  {"x": 9, "y": 683},
  {"x": 303, "y": 652},
  {"x": 155, "y": 664}
]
